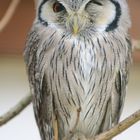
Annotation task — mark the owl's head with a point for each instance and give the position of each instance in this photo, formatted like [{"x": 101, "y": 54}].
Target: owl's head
[{"x": 80, "y": 16}]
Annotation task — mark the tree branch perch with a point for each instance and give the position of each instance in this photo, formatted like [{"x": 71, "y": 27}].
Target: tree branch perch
[
  {"x": 119, "y": 128},
  {"x": 8, "y": 14},
  {"x": 15, "y": 110}
]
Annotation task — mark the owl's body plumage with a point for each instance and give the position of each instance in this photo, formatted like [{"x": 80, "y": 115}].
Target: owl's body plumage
[{"x": 78, "y": 71}]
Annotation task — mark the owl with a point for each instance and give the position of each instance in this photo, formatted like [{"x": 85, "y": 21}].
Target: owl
[{"x": 78, "y": 55}]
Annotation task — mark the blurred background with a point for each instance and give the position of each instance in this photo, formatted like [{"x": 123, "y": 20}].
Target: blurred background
[{"x": 13, "y": 78}]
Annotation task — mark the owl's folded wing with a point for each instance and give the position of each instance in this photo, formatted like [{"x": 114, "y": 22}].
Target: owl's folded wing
[{"x": 42, "y": 98}]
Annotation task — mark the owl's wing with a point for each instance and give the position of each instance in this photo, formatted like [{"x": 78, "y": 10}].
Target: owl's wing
[
  {"x": 120, "y": 86},
  {"x": 115, "y": 104},
  {"x": 119, "y": 95},
  {"x": 42, "y": 98}
]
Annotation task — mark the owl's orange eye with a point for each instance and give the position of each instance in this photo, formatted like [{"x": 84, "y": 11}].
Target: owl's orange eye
[{"x": 58, "y": 7}]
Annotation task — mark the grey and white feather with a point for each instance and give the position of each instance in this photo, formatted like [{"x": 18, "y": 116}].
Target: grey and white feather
[{"x": 78, "y": 55}]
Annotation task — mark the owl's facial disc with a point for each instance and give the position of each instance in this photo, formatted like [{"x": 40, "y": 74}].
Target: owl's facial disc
[{"x": 76, "y": 18}]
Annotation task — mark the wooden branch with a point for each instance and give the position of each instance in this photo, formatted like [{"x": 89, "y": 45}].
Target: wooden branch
[
  {"x": 119, "y": 128},
  {"x": 15, "y": 110},
  {"x": 9, "y": 13}
]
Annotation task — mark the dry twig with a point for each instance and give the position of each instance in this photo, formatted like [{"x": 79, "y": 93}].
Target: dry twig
[
  {"x": 8, "y": 14},
  {"x": 15, "y": 110},
  {"x": 119, "y": 128}
]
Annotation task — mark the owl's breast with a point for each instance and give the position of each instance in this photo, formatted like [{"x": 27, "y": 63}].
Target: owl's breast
[{"x": 79, "y": 78}]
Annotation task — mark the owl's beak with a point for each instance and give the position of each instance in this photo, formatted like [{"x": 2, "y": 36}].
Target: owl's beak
[{"x": 75, "y": 25}]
